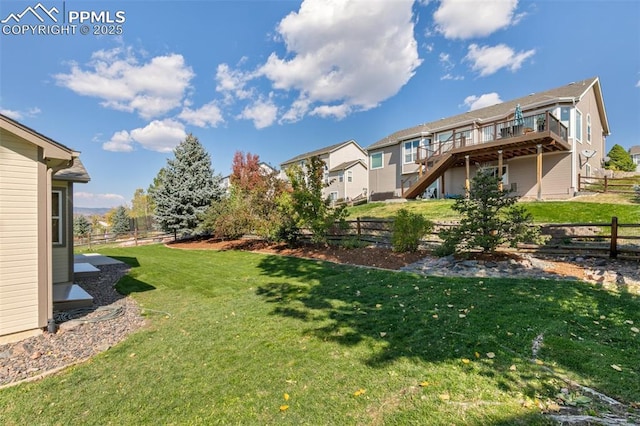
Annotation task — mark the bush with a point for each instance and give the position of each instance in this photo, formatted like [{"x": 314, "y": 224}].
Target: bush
[
  {"x": 489, "y": 218},
  {"x": 407, "y": 230}
]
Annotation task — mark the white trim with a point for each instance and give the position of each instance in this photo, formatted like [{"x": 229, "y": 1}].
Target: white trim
[
  {"x": 60, "y": 217},
  {"x": 577, "y": 126}
]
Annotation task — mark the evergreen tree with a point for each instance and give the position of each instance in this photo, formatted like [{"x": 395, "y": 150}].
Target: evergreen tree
[
  {"x": 120, "y": 221},
  {"x": 620, "y": 159},
  {"x": 489, "y": 218},
  {"x": 81, "y": 226},
  {"x": 185, "y": 188}
]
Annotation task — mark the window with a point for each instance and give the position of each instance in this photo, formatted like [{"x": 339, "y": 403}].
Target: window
[
  {"x": 349, "y": 175},
  {"x": 588, "y": 128},
  {"x": 565, "y": 115},
  {"x": 333, "y": 196},
  {"x": 376, "y": 160},
  {"x": 411, "y": 151},
  {"x": 56, "y": 216},
  {"x": 341, "y": 177},
  {"x": 493, "y": 171},
  {"x": 587, "y": 170},
  {"x": 578, "y": 126}
]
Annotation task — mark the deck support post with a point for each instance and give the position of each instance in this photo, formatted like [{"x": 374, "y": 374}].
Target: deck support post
[
  {"x": 539, "y": 171},
  {"x": 467, "y": 186},
  {"x": 500, "y": 186}
]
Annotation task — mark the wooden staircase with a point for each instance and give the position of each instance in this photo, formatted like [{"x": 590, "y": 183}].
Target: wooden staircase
[{"x": 440, "y": 164}]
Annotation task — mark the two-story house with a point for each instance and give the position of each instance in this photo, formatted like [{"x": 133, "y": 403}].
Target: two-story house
[
  {"x": 634, "y": 152},
  {"x": 345, "y": 169},
  {"x": 264, "y": 168},
  {"x": 538, "y": 144}
]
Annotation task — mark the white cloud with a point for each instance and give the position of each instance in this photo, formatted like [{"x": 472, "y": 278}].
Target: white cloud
[
  {"x": 477, "y": 102},
  {"x": 263, "y": 113},
  {"x": 342, "y": 56},
  {"x": 638, "y": 83},
  {"x": 151, "y": 89},
  {"x": 208, "y": 115},
  {"x": 232, "y": 82},
  {"x": 120, "y": 142},
  {"x": 489, "y": 59},
  {"x": 445, "y": 60},
  {"x": 90, "y": 199},
  {"x": 464, "y": 19},
  {"x": 159, "y": 135},
  {"x": 337, "y": 111},
  {"x": 338, "y": 53},
  {"x": 19, "y": 115},
  {"x": 449, "y": 76}
]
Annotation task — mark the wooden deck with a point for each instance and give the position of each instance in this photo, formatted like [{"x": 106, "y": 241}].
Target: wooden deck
[{"x": 500, "y": 139}]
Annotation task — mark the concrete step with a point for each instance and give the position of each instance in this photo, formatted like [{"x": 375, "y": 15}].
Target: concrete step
[
  {"x": 85, "y": 270},
  {"x": 70, "y": 296}
]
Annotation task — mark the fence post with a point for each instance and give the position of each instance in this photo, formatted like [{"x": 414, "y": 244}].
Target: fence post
[
  {"x": 579, "y": 181},
  {"x": 606, "y": 183},
  {"x": 613, "y": 250},
  {"x": 358, "y": 226}
]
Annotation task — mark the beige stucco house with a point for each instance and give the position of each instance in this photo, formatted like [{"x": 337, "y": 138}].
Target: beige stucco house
[
  {"x": 36, "y": 226},
  {"x": 345, "y": 169},
  {"x": 634, "y": 152},
  {"x": 539, "y": 144}
]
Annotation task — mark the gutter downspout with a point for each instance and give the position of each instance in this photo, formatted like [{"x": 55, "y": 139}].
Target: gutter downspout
[{"x": 51, "y": 325}]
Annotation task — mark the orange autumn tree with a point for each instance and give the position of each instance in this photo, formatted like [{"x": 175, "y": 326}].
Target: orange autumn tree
[
  {"x": 246, "y": 174},
  {"x": 251, "y": 205}
]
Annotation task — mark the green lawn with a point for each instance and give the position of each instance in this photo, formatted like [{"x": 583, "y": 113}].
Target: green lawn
[
  {"x": 542, "y": 211},
  {"x": 230, "y": 333}
]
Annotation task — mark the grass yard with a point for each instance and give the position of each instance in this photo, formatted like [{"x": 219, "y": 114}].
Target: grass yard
[
  {"x": 243, "y": 338},
  {"x": 591, "y": 210}
]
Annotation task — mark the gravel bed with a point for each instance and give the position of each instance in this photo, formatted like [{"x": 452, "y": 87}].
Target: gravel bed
[{"x": 81, "y": 334}]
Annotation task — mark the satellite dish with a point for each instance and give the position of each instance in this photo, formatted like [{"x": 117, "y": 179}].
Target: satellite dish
[{"x": 588, "y": 153}]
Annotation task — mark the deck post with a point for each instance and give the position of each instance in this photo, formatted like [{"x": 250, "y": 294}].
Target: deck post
[
  {"x": 539, "y": 171},
  {"x": 500, "y": 186},
  {"x": 466, "y": 180}
]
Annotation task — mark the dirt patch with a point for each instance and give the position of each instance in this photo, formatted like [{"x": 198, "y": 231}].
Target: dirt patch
[{"x": 365, "y": 256}]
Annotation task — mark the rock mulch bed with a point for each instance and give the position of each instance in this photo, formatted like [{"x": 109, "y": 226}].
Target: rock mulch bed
[
  {"x": 614, "y": 274},
  {"x": 81, "y": 334}
]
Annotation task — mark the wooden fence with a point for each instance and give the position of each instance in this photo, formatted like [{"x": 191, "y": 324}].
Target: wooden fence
[
  {"x": 607, "y": 184},
  {"x": 133, "y": 238},
  {"x": 607, "y": 238}
]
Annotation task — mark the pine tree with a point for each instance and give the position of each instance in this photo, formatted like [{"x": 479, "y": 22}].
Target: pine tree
[
  {"x": 120, "y": 221},
  {"x": 185, "y": 187},
  {"x": 490, "y": 217},
  {"x": 620, "y": 159},
  {"x": 81, "y": 226}
]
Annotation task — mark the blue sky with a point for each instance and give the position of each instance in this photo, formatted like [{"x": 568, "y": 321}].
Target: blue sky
[{"x": 279, "y": 78}]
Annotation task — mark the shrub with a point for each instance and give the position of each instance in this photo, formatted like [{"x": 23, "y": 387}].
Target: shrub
[
  {"x": 408, "y": 228},
  {"x": 489, "y": 218}
]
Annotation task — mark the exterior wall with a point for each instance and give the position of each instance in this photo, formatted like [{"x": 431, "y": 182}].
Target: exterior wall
[
  {"x": 360, "y": 184},
  {"x": 589, "y": 107},
  {"x": 63, "y": 253},
  {"x": 346, "y": 189},
  {"x": 385, "y": 181},
  {"x": 20, "y": 248},
  {"x": 347, "y": 153}
]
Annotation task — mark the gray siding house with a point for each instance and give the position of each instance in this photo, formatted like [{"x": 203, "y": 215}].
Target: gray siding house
[
  {"x": 538, "y": 144},
  {"x": 634, "y": 152},
  {"x": 36, "y": 227},
  {"x": 345, "y": 169}
]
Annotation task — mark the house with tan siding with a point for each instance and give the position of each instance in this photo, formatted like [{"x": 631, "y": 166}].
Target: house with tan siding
[
  {"x": 36, "y": 227},
  {"x": 539, "y": 144},
  {"x": 345, "y": 169}
]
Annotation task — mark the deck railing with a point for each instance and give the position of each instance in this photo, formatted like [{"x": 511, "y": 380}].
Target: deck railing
[{"x": 499, "y": 130}]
